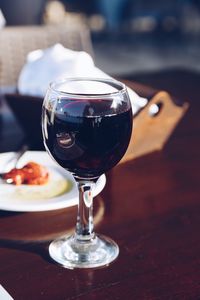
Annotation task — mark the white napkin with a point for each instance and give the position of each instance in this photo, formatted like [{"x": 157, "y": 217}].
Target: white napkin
[{"x": 44, "y": 66}]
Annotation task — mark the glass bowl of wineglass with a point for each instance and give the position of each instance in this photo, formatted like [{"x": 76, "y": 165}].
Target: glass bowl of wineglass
[{"x": 86, "y": 125}]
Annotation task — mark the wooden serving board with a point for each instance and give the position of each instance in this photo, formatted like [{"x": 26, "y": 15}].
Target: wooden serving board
[{"x": 151, "y": 129}]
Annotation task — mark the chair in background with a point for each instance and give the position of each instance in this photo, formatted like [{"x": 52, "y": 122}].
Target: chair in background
[{"x": 17, "y": 41}]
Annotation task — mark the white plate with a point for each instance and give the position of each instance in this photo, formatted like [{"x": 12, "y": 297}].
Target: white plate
[{"x": 60, "y": 192}]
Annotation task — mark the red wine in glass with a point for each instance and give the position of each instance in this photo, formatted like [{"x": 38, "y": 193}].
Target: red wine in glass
[
  {"x": 86, "y": 125},
  {"x": 83, "y": 140}
]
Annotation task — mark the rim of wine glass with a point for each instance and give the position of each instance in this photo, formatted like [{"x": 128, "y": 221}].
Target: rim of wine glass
[{"x": 118, "y": 84}]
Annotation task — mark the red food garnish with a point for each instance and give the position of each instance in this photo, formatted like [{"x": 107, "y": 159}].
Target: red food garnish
[{"x": 32, "y": 174}]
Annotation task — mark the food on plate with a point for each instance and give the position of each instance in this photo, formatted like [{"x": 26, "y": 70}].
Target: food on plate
[{"x": 32, "y": 174}]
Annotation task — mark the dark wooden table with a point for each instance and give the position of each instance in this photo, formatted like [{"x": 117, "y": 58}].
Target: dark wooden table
[{"x": 150, "y": 207}]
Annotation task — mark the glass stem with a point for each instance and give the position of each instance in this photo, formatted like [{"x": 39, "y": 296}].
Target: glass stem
[{"x": 84, "y": 224}]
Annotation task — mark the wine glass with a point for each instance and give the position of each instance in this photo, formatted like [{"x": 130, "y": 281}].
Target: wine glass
[{"x": 86, "y": 125}]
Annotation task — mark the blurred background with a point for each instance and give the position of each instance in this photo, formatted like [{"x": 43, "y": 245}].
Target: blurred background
[{"x": 129, "y": 37}]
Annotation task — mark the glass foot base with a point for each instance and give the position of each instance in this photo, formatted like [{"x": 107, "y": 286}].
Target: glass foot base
[{"x": 72, "y": 253}]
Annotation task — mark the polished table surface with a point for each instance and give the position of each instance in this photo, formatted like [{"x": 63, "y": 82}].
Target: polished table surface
[{"x": 150, "y": 207}]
